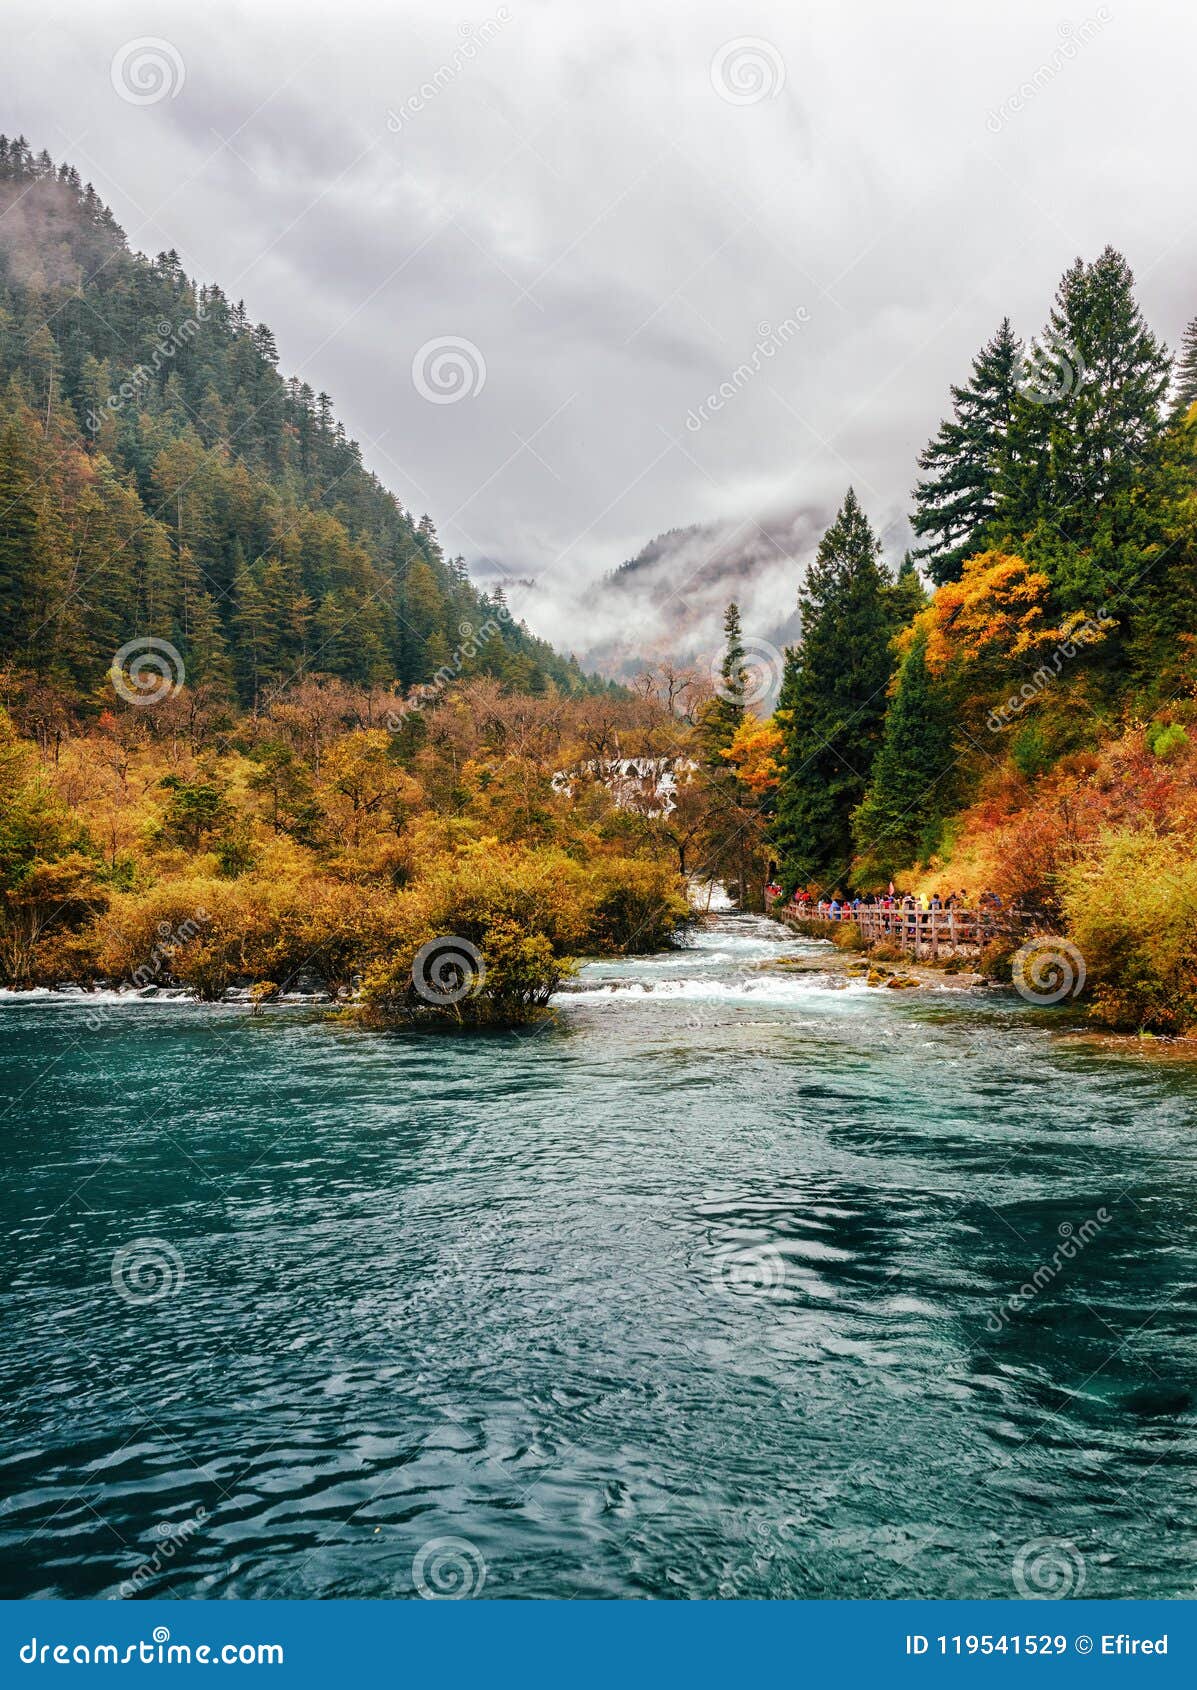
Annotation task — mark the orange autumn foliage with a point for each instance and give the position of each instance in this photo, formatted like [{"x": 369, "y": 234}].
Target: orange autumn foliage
[
  {"x": 998, "y": 609},
  {"x": 754, "y": 754},
  {"x": 1023, "y": 839}
]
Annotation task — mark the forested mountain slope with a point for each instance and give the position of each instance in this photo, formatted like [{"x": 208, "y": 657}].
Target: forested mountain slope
[{"x": 160, "y": 478}]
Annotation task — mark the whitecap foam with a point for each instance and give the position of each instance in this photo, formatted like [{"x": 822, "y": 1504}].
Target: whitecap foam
[
  {"x": 112, "y": 997},
  {"x": 77, "y": 997},
  {"x": 765, "y": 990}
]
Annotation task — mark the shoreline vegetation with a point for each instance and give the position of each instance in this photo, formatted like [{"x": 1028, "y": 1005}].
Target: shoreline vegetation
[
  {"x": 1015, "y": 711},
  {"x": 882, "y": 966},
  {"x": 257, "y": 730},
  {"x": 436, "y": 874},
  {"x": 255, "y": 726}
]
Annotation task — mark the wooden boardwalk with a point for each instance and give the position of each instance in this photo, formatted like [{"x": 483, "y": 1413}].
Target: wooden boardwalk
[{"x": 920, "y": 933}]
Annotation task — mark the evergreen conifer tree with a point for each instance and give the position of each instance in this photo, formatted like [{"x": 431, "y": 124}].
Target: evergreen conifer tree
[
  {"x": 726, "y": 710},
  {"x": 908, "y": 792},
  {"x": 1106, "y": 379},
  {"x": 832, "y": 702},
  {"x": 965, "y": 463},
  {"x": 907, "y": 596},
  {"x": 1185, "y": 393},
  {"x": 20, "y": 530}
]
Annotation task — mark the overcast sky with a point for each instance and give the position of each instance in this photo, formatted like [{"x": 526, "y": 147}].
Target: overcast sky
[{"x": 614, "y": 206}]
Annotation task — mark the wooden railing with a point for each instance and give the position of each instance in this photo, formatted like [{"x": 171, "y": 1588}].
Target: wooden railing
[{"x": 956, "y": 931}]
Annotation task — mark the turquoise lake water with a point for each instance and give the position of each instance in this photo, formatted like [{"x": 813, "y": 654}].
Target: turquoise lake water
[{"x": 705, "y": 1289}]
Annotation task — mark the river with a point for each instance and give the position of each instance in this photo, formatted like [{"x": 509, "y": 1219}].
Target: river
[{"x": 709, "y": 1288}]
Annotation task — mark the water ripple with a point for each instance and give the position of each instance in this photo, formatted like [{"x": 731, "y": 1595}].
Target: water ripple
[{"x": 736, "y": 1281}]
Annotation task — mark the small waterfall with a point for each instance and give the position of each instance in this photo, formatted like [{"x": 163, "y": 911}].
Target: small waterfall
[{"x": 710, "y": 897}]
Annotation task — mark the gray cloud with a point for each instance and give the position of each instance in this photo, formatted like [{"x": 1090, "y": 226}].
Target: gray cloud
[{"x": 578, "y": 201}]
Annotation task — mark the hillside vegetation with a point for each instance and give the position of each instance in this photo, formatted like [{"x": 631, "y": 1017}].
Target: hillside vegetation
[
  {"x": 161, "y": 480},
  {"x": 257, "y": 730},
  {"x": 260, "y": 731},
  {"x": 1029, "y": 727}
]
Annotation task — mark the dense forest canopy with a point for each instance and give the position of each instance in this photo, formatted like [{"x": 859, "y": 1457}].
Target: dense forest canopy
[{"x": 161, "y": 478}]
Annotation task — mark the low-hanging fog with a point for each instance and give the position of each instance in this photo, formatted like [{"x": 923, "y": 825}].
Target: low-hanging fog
[{"x": 538, "y": 253}]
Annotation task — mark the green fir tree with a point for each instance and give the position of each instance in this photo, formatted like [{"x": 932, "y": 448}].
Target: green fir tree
[
  {"x": 966, "y": 463},
  {"x": 1184, "y": 395},
  {"x": 726, "y": 710},
  {"x": 909, "y": 792},
  {"x": 832, "y": 703}
]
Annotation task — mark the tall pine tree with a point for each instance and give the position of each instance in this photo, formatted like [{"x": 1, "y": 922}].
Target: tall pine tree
[
  {"x": 21, "y": 533},
  {"x": 965, "y": 464},
  {"x": 726, "y": 710},
  {"x": 1185, "y": 392},
  {"x": 1112, "y": 375},
  {"x": 908, "y": 795},
  {"x": 832, "y": 702},
  {"x": 907, "y": 596}
]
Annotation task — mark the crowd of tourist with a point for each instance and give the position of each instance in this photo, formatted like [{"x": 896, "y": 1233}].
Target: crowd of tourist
[{"x": 895, "y": 904}]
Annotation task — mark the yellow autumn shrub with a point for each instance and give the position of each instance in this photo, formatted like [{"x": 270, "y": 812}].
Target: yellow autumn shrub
[{"x": 1131, "y": 910}]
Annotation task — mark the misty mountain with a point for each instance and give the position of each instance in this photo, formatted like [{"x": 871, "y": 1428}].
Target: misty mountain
[{"x": 667, "y": 602}]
